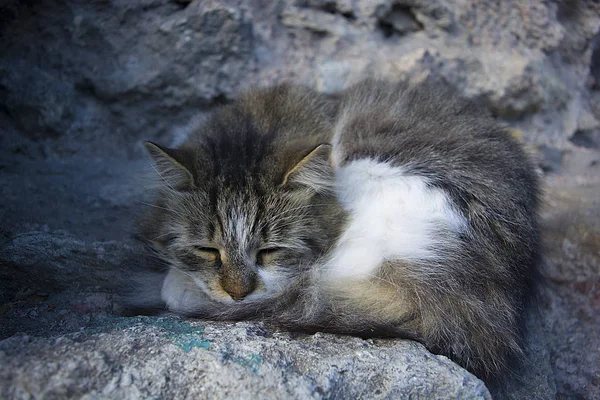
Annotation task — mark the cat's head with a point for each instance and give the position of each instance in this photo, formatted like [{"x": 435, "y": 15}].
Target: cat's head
[{"x": 244, "y": 211}]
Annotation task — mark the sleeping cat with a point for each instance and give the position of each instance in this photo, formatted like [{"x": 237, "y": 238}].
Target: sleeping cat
[{"x": 398, "y": 210}]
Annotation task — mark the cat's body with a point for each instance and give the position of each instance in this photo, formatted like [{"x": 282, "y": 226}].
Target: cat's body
[{"x": 399, "y": 211}]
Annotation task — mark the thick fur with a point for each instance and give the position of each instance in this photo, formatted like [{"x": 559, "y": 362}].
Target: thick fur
[
  {"x": 469, "y": 295},
  {"x": 399, "y": 210}
]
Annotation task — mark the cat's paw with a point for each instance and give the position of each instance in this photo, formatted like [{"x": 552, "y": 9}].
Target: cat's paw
[{"x": 181, "y": 294}]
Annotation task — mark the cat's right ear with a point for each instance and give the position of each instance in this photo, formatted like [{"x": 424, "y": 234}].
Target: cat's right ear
[
  {"x": 169, "y": 164},
  {"x": 313, "y": 172}
]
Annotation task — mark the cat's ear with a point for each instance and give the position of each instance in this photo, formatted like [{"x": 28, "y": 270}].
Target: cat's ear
[
  {"x": 169, "y": 164},
  {"x": 313, "y": 171}
]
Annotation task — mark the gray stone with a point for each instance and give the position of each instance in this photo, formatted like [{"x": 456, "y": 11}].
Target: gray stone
[
  {"x": 399, "y": 20},
  {"x": 150, "y": 357},
  {"x": 571, "y": 305},
  {"x": 39, "y": 103},
  {"x": 129, "y": 68},
  {"x": 316, "y": 21}
]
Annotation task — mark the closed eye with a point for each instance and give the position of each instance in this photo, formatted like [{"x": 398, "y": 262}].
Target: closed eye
[
  {"x": 208, "y": 253},
  {"x": 268, "y": 255}
]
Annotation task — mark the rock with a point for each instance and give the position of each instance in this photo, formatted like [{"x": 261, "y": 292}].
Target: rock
[
  {"x": 571, "y": 300},
  {"x": 316, "y": 21},
  {"x": 586, "y": 138},
  {"x": 164, "y": 61},
  {"x": 343, "y": 7},
  {"x": 130, "y": 68},
  {"x": 551, "y": 158},
  {"x": 56, "y": 260},
  {"x": 399, "y": 20},
  {"x": 501, "y": 54},
  {"x": 39, "y": 103},
  {"x": 169, "y": 358}
]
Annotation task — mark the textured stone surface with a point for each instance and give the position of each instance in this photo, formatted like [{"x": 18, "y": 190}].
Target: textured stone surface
[
  {"x": 168, "y": 358},
  {"x": 572, "y": 299},
  {"x": 82, "y": 83},
  {"x": 74, "y": 70}
]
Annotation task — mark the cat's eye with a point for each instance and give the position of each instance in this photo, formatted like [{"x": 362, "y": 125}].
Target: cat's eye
[
  {"x": 268, "y": 255},
  {"x": 210, "y": 254}
]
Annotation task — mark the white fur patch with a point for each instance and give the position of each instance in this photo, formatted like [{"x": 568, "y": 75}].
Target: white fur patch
[
  {"x": 239, "y": 224},
  {"x": 392, "y": 216},
  {"x": 273, "y": 282},
  {"x": 180, "y": 293}
]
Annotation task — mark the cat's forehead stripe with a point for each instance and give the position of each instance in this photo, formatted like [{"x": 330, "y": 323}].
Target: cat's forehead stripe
[{"x": 238, "y": 215}]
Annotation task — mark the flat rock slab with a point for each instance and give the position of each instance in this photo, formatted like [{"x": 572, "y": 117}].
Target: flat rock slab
[{"x": 165, "y": 357}]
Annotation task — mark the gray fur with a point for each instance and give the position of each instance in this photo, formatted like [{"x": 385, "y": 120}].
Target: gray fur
[
  {"x": 470, "y": 304},
  {"x": 253, "y": 158}
]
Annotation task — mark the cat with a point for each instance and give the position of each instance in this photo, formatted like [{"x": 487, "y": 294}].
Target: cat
[{"x": 395, "y": 209}]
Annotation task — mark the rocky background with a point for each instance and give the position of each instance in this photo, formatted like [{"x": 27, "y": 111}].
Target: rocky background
[{"x": 84, "y": 82}]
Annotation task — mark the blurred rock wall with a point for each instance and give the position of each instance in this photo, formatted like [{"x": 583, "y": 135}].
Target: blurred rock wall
[{"x": 97, "y": 76}]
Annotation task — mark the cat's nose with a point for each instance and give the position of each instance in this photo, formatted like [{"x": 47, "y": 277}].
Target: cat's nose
[
  {"x": 238, "y": 288},
  {"x": 237, "y": 293}
]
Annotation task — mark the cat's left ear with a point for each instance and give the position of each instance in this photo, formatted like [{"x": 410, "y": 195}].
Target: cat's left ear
[
  {"x": 170, "y": 165},
  {"x": 314, "y": 171}
]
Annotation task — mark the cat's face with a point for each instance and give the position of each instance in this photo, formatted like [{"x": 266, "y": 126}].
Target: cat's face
[
  {"x": 250, "y": 239},
  {"x": 243, "y": 246}
]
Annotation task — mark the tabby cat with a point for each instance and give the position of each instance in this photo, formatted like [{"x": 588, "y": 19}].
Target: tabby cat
[{"x": 395, "y": 209}]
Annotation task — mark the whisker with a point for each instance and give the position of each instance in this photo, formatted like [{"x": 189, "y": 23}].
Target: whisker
[{"x": 161, "y": 208}]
